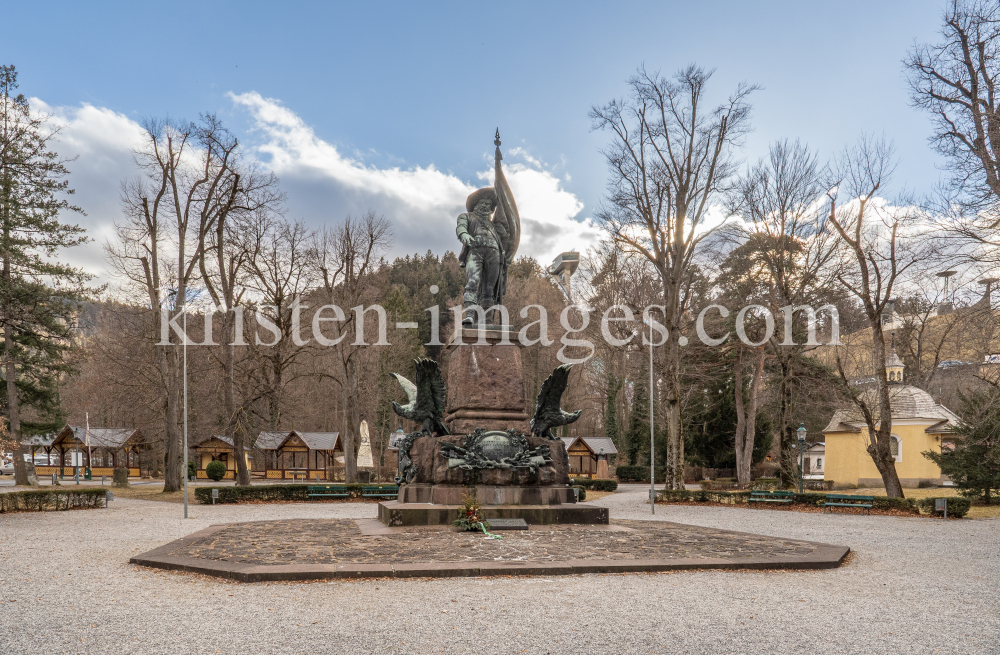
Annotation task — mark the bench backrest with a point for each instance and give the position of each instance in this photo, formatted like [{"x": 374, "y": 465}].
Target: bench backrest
[
  {"x": 381, "y": 487},
  {"x": 848, "y": 497},
  {"x": 328, "y": 487}
]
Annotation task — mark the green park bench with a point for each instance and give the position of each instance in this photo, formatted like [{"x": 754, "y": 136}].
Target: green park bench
[
  {"x": 784, "y": 497},
  {"x": 328, "y": 491},
  {"x": 380, "y": 491},
  {"x": 848, "y": 500}
]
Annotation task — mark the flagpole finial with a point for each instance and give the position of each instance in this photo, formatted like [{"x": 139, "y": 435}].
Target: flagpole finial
[{"x": 496, "y": 141}]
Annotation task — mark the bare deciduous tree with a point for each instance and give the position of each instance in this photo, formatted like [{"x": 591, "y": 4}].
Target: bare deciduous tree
[
  {"x": 241, "y": 195},
  {"x": 780, "y": 200},
  {"x": 875, "y": 256},
  {"x": 279, "y": 272},
  {"x": 670, "y": 159},
  {"x": 346, "y": 256},
  {"x": 171, "y": 209}
]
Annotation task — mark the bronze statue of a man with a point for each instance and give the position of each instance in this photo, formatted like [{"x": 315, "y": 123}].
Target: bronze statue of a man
[{"x": 490, "y": 231}]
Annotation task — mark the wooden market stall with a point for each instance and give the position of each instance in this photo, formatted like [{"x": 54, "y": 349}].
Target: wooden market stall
[
  {"x": 299, "y": 455},
  {"x": 588, "y": 456},
  {"x": 101, "y": 450},
  {"x": 218, "y": 448}
]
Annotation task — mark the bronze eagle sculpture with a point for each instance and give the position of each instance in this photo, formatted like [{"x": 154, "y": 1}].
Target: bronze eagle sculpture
[
  {"x": 548, "y": 413},
  {"x": 426, "y": 398}
]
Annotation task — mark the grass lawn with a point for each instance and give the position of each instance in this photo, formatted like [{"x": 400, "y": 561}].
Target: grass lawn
[{"x": 594, "y": 495}]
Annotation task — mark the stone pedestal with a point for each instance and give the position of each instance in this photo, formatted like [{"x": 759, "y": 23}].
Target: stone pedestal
[
  {"x": 432, "y": 468},
  {"x": 486, "y": 390},
  {"x": 486, "y": 382},
  {"x": 487, "y": 495},
  {"x": 393, "y": 513}
]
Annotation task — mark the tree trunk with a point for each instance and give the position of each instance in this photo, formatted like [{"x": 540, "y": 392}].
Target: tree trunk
[
  {"x": 784, "y": 423},
  {"x": 233, "y": 430},
  {"x": 880, "y": 448},
  {"x": 675, "y": 439},
  {"x": 349, "y": 424},
  {"x": 21, "y": 476},
  {"x": 167, "y": 360},
  {"x": 746, "y": 415}
]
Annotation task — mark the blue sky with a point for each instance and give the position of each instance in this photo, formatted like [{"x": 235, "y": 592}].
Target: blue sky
[{"x": 420, "y": 87}]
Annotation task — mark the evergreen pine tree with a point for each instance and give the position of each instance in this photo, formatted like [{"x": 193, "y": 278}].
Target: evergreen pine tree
[
  {"x": 39, "y": 294},
  {"x": 974, "y": 464},
  {"x": 637, "y": 437},
  {"x": 611, "y": 411}
]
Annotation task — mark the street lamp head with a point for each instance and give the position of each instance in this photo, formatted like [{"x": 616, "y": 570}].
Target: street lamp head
[{"x": 801, "y": 432}]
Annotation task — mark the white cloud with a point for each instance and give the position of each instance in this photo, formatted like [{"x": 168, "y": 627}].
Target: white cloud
[
  {"x": 323, "y": 183},
  {"x": 100, "y": 140},
  {"x": 422, "y": 202}
]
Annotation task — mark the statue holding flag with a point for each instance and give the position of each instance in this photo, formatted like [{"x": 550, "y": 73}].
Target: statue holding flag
[{"x": 490, "y": 232}]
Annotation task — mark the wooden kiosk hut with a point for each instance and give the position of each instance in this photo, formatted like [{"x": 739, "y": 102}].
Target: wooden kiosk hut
[
  {"x": 588, "y": 456},
  {"x": 299, "y": 455},
  {"x": 103, "y": 450},
  {"x": 218, "y": 448}
]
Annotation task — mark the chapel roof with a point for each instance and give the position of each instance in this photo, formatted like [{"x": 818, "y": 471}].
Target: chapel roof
[{"x": 906, "y": 401}]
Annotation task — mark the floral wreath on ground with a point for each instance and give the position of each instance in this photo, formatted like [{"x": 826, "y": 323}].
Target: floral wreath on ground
[{"x": 469, "y": 518}]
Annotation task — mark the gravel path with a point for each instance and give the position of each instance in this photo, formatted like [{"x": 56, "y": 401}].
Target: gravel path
[{"x": 915, "y": 585}]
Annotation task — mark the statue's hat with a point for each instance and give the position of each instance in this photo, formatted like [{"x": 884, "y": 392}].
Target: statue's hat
[{"x": 489, "y": 193}]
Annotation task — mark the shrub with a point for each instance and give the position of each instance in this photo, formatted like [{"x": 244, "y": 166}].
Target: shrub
[
  {"x": 51, "y": 499},
  {"x": 268, "y": 492},
  {"x": 626, "y": 473},
  {"x": 215, "y": 470},
  {"x": 766, "y": 484},
  {"x": 119, "y": 477},
  {"x": 814, "y": 499},
  {"x": 595, "y": 484},
  {"x": 582, "y": 490},
  {"x": 957, "y": 507},
  {"x": 192, "y": 472}
]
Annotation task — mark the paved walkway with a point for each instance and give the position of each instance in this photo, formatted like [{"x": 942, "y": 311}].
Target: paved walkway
[
  {"x": 328, "y": 541},
  {"x": 914, "y": 585}
]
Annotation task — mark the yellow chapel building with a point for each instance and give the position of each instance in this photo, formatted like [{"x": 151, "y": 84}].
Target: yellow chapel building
[{"x": 918, "y": 424}]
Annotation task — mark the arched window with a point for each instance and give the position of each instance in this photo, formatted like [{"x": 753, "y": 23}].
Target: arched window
[{"x": 896, "y": 447}]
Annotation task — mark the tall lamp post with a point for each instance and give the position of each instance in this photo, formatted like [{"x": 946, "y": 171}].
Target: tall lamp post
[
  {"x": 652, "y": 447},
  {"x": 186, "y": 476},
  {"x": 801, "y": 432}
]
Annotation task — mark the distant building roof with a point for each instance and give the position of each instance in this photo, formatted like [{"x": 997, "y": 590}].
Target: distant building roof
[
  {"x": 907, "y": 402},
  {"x": 221, "y": 437},
  {"x": 594, "y": 443},
  {"x": 314, "y": 440},
  {"x": 111, "y": 438}
]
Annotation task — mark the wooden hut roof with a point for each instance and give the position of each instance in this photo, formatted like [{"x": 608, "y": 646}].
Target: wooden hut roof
[
  {"x": 313, "y": 440},
  {"x": 594, "y": 444},
  {"x": 223, "y": 439},
  {"x": 110, "y": 438}
]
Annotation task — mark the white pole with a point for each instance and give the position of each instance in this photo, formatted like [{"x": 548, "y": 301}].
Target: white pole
[
  {"x": 652, "y": 479},
  {"x": 185, "y": 469},
  {"x": 86, "y": 437}
]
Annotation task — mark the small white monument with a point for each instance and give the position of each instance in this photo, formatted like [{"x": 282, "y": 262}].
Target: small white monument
[{"x": 365, "y": 451}]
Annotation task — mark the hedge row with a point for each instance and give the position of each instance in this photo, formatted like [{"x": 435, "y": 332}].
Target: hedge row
[
  {"x": 51, "y": 499},
  {"x": 582, "y": 492},
  {"x": 595, "y": 484},
  {"x": 626, "y": 473},
  {"x": 957, "y": 506},
  {"x": 814, "y": 499},
  {"x": 273, "y": 492}
]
